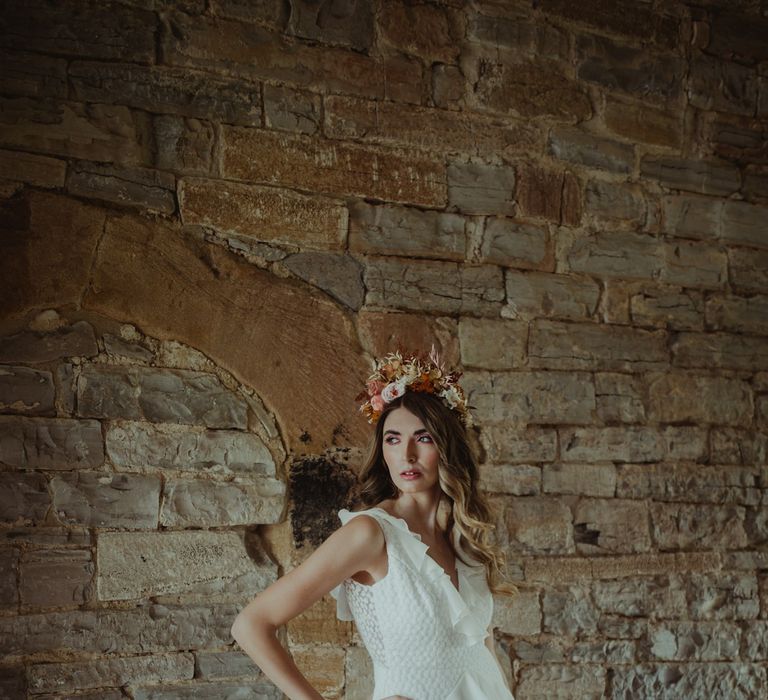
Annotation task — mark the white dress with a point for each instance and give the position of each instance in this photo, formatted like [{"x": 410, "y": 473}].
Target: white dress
[{"x": 425, "y": 638}]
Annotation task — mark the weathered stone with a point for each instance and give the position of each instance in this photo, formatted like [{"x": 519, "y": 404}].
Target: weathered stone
[
  {"x": 510, "y": 243},
  {"x": 350, "y": 25},
  {"x": 611, "y": 525},
  {"x": 266, "y": 214},
  {"x": 549, "y": 194},
  {"x": 215, "y": 665},
  {"x": 403, "y": 79},
  {"x": 40, "y": 171},
  {"x": 626, "y": 444},
  {"x": 50, "y": 443},
  {"x": 54, "y": 577},
  {"x": 561, "y": 682},
  {"x": 722, "y": 86},
  {"x": 738, "y": 314},
  {"x": 748, "y": 269},
  {"x": 701, "y": 641},
  {"x": 44, "y": 536},
  {"x": 693, "y": 264},
  {"x": 619, "y": 627},
  {"x": 583, "y": 479},
  {"x": 539, "y": 525},
  {"x": 291, "y": 110},
  {"x": 318, "y": 624},
  {"x": 659, "y": 598},
  {"x": 519, "y": 615},
  {"x": 98, "y": 499},
  {"x": 9, "y": 594},
  {"x": 159, "y": 395},
  {"x": 264, "y": 690},
  {"x": 338, "y": 275},
  {"x": 619, "y": 398},
  {"x": 403, "y": 231},
  {"x": 136, "y": 446},
  {"x": 26, "y": 391},
  {"x": 548, "y": 650},
  {"x": 735, "y": 138},
  {"x": 679, "y": 526},
  {"x": 642, "y": 123},
  {"x": 323, "y": 667},
  {"x": 560, "y": 345},
  {"x": 756, "y": 641},
  {"x": 662, "y": 307},
  {"x": 516, "y": 444},
  {"x": 517, "y": 480},
  {"x": 272, "y": 13},
  {"x": 118, "y": 347},
  {"x": 577, "y": 146},
  {"x": 739, "y": 36},
  {"x": 524, "y": 398},
  {"x": 428, "y": 31},
  {"x": 448, "y": 85},
  {"x": 688, "y": 397},
  {"x": 359, "y": 674},
  {"x": 735, "y": 446},
  {"x": 197, "y": 503},
  {"x": 611, "y": 652},
  {"x": 34, "y": 75},
  {"x": 492, "y": 344},
  {"x": 332, "y": 167},
  {"x": 111, "y": 671},
  {"x": 620, "y": 254},
  {"x": 622, "y": 203},
  {"x": 531, "y": 295},
  {"x": 13, "y": 682},
  {"x": 136, "y": 187},
  {"x": 183, "y": 145},
  {"x": 445, "y": 287},
  {"x": 705, "y": 177},
  {"x": 569, "y": 612},
  {"x": 519, "y": 33},
  {"x": 481, "y": 189},
  {"x": 724, "y": 596},
  {"x": 135, "y": 565}
]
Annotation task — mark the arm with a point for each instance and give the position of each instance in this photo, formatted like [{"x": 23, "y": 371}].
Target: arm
[
  {"x": 352, "y": 548},
  {"x": 489, "y": 642}
]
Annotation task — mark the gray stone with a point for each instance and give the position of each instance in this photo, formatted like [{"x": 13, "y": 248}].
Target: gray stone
[
  {"x": 724, "y": 596},
  {"x": 137, "y": 446},
  {"x": 264, "y": 690},
  {"x": 33, "y": 75},
  {"x": 55, "y": 577},
  {"x": 44, "y": 536},
  {"x": 691, "y": 174},
  {"x": 619, "y": 398},
  {"x": 32, "y": 347},
  {"x": 183, "y": 145},
  {"x": 9, "y": 594},
  {"x": 508, "y": 242},
  {"x": 448, "y": 85},
  {"x": 532, "y": 295},
  {"x": 13, "y": 682},
  {"x": 756, "y": 641},
  {"x": 539, "y": 525},
  {"x": 611, "y": 525},
  {"x": 561, "y": 682},
  {"x": 616, "y": 202},
  {"x": 492, "y": 344},
  {"x": 215, "y": 665},
  {"x": 123, "y": 348},
  {"x": 582, "y": 479},
  {"x": 64, "y": 378},
  {"x": 620, "y": 254},
  {"x": 693, "y": 264},
  {"x": 445, "y": 287},
  {"x": 682, "y": 526},
  {"x": 662, "y": 307},
  {"x": 406, "y": 231},
  {"x": 517, "y": 480},
  {"x": 722, "y": 86},
  {"x": 748, "y": 269},
  {"x": 523, "y": 398},
  {"x": 291, "y": 110},
  {"x": 167, "y": 90},
  {"x": 26, "y": 391},
  {"x": 338, "y": 275},
  {"x": 519, "y": 615},
  {"x": 660, "y": 598},
  {"x": 111, "y": 671},
  {"x": 611, "y": 652},
  {"x": 159, "y": 395},
  {"x": 620, "y": 627},
  {"x": 24, "y": 498},
  {"x": 99, "y": 499},
  {"x": 519, "y": 444},
  {"x": 199, "y": 503},
  {"x": 135, "y": 565},
  {"x": 50, "y": 443},
  {"x": 695, "y": 641},
  {"x": 560, "y": 345},
  {"x": 569, "y": 612},
  {"x": 612, "y": 443},
  {"x": 481, "y": 189},
  {"x": 720, "y": 350},
  {"x": 735, "y": 446},
  {"x": 350, "y": 24},
  {"x": 739, "y": 314},
  {"x": 547, "y": 651},
  {"x": 577, "y": 146}
]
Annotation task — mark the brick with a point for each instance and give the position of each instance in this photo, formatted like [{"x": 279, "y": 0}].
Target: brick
[
  {"x": 582, "y": 479},
  {"x": 26, "y": 391},
  {"x": 32, "y": 169},
  {"x": 337, "y": 274},
  {"x": 427, "y": 31},
  {"x": 643, "y": 123},
  {"x": 406, "y": 231},
  {"x": 264, "y": 213},
  {"x": 444, "y": 287},
  {"x": 332, "y": 168},
  {"x": 560, "y": 345},
  {"x": 532, "y": 295},
  {"x": 738, "y": 314},
  {"x": 619, "y": 398},
  {"x": 615, "y": 525},
  {"x": 722, "y": 86},
  {"x": 183, "y": 145},
  {"x": 291, "y": 110},
  {"x": 55, "y": 577},
  {"x": 492, "y": 344},
  {"x": 167, "y": 90},
  {"x": 134, "y": 565},
  {"x": 693, "y": 175},
  {"x": 549, "y": 194},
  {"x": 682, "y": 526},
  {"x": 50, "y": 443},
  {"x": 577, "y": 146},
  {"x": 351, "y": 26},
  {"x": 475, "y": 188},
  {"x": 539, "y": 525},
  {"x": 504, "y": 443},
  {"x": 661, "y": 307},
  {"x": 511, "y": 243}
]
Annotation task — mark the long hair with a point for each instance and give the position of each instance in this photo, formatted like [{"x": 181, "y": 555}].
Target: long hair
[{"x": 468, "y": 508}]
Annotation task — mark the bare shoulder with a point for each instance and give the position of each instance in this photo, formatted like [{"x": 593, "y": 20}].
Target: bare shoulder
[{"x": 361, "y": 531}]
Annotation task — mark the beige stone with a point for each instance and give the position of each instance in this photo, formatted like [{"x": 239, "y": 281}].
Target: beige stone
[
  {"x": 491, "y": 344},
  {"x": 583, "y": 479},
  {"x": 538, "y": 524},
  {"x": 518, "y": 615},
  {"x": 611, "y": 525},
  {"x": 324, "y": 668},
  {"x": 41, "y": 171}
]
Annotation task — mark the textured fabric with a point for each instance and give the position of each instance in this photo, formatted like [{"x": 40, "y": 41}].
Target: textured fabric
[{"x": 425, "y": 638}]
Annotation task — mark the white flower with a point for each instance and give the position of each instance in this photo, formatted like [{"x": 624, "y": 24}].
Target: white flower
[{"x": 393, "y": 390}]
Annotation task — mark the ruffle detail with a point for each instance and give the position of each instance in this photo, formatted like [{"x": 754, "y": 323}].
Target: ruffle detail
[{"x": 464, "y": 605}]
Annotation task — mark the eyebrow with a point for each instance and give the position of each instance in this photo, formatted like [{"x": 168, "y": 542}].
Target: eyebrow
[{"x": 416, "y": 432}]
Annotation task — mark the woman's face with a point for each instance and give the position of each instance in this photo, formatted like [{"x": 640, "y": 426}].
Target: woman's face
[{"x": 409, "y": 452}]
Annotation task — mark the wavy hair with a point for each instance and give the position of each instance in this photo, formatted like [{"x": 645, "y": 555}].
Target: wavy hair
[{"x": 468, "y": 508}]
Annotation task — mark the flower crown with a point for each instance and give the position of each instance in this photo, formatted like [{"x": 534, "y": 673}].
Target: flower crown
[{"x": 397, "y": 372}]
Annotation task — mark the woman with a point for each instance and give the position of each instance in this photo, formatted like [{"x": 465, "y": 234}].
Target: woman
[{"x": 415, "y": 569}]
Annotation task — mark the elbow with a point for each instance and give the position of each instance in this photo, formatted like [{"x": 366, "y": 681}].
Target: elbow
[{"x": 246, "y": 625}]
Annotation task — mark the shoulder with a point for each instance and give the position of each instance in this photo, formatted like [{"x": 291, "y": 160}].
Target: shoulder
[{"x": 361, "y": 529}]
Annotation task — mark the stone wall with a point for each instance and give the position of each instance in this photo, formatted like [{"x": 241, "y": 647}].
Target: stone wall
[{"x": 215, "y": 212}]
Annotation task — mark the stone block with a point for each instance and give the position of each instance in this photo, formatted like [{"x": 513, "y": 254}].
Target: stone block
[
  {"x": 444, "y": 287},
  {"x": 559, "y": 345},
  {"x": 560, "y": 682},
  {"x": 183, "y": 145},
  {"x": 264, "y": 213},
  {"x": 724, "y": 595},
  {"x": 517, "y": 480},
  {"x": 695, "y": 641},
  {"x": 403, "y": 79},
  {"x": 549, "y": 194},
  {"x": 9, "y": 594},
  {"x": 350, "y": 25},
  {"x": 34, "y": 75},
  {"x": 136, "y": 446},
  {"x": 756, "y": 641},
  {"x": 158, "y": 395},
  {"x": 607, "y": 525},
  {"x": 519, "y": 33},
  {"x": 681, "y": 526},
  {"x": 406, "y": 231},
  {"x": 474, "y": 188},
  {"x": 110, "y": 671},
  {"x": 539, "y": 525},
  {"x": 693, "y": 175},
  {"x": 621, "y": 254},
  {"x": 26, "y": 391},
  {"x": 616, "y": 203},
  {"x": 519, "y": 615},
  {"x": 359, "y": 674},
  {"x": 323, "y": 667},
  {"x": 46, "y": 536},
  {"x": 739, "y": 36},
  {"x": 511, "y": 243},
  {"x": 448, "y": 86},
  {"x": 579, "y": 479},
  {"x": 738, "y": 314},
  {"x": 569, "y": 612},
  {"x": 519, "y": 444},
  {"x": 722, "y": 86},
  {"x": 39, "y": 171},
  {"x": 264, "y": 690},
  {"x": 272, "y": 13},
  {"x": 55, "y": 577},
  {"x": 431, "y": 32},
  {"x": 582, "y": 148},
  {"x": 642, "y": 123},
  {"x": 217, "y": 665},
  {"x": 291, "y": 110},
  {"x": 492, "y": 344},
  {"x": 693, "y": 264},
  {"x": 524, "y": 398},
  {"x": 136, "y": 565},
  {"x": 613, "y": 652},
  {"x": 687, "y": 397},
  {"x": 319, "y": 625},
  {"x": 50, "y": 443},
  {"x": 337, "y": 274},
  {"x": 119, "y": 347},
  {"x": 332, "y": 167},
  {"x": 660, "y": 598},
  {"x": 663, "y": 307},
  {"x": 548, "y": 650},
  {"x": 748, "y": 269},
  {"x": 201, "y": 503},
  {"x": 612, "y": 443},
  {"x": 619, "y": 398},
  {"x": 531, "y": 295},
  {"x": 13, "y": 682},
  {"x": 738, "y": 446}
]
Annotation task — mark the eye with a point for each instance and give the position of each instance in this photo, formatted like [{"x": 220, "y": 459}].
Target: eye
[
  {"x": 426, "y": 438},
  {"x": 391, "y": 440}
]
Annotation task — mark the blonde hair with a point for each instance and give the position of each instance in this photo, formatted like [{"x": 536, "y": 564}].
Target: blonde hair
[{"x": 468, "y": 508}]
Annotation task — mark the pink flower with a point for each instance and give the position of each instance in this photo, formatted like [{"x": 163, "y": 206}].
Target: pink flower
[
  {"x": 377, "y": 403},
  {"x": 374, "y": 387}
]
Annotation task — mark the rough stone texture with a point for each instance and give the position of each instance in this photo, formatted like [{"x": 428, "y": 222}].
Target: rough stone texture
[
  {"x": 549, "y": 194},
  {"x": 427, "y": 31},
  {"x": 584, "y": 479},
  {"x": 692, "y": 175},
  {"x": 55, "y": 577},
  {"x": 616, "y": 203},
  {"x": 338, "y": 275},
  {"x": 518, "y": 480},
  {"x": 611, "y": 525},
  {"x": 619, "y": 398},
  {"x": 504, "y": 443},
  {"x": 738, "y": 314},
  {"x": 509, "y": 243},
  {"x": 491, "y": 344},
  {"x": 209, "y": 691},
  {"x": 724, "y": 87},
  {"x": 481, "y": 189},
  {"x": 136, "y": 565},
  {"x": 9, "y": 595},
  {"x": 643, "y": 123},
  {"x": 682, "y": 526},
  {"x": 561, "y": 682},
  {"x": 35, "y": 170},
  {"x": 702, "y": 641},
  {"x": 748, "y": 269},
  {"x": 724, "y": 596},
  {"x": 184, "y": 145},
  {"x": 663, "y": 307},
  {"x": 532, "y": 295},
  {"x": 26, "y": 391},
  {"x": 291, "y": 110},
  {"x": 582, "y": 148},
  {"x": 351, "y": 25},
  {"x": 215, "y": 665},
  {"x": 539, "y": 525},
  {"x": 519, "y": 615}
]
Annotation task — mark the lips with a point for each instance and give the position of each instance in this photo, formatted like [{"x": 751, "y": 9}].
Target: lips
[{"x": 410, "y": 473}]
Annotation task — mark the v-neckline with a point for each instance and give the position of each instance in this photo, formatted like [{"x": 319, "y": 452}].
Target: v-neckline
[{"x": 431, "y": 558}]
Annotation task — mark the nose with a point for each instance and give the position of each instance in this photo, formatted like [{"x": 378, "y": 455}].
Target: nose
[{"x": 410, "y": 451}]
